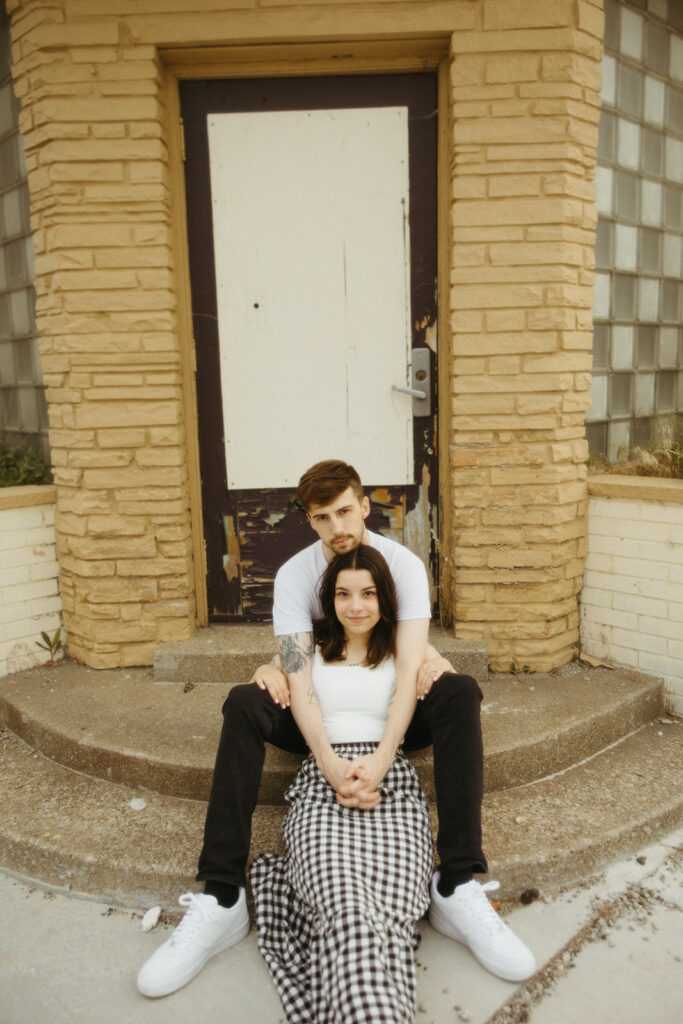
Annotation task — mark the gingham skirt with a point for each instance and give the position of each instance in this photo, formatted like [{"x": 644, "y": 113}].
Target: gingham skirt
[{"x": 337, "y": 915}]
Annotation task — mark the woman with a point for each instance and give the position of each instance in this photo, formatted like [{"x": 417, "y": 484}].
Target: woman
[{"x": 337, "y": 915}]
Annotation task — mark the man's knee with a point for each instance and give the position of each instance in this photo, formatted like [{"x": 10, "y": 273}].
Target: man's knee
[
  {"x": 456, "y": 688},
  {"x": 244, "y": 699}
]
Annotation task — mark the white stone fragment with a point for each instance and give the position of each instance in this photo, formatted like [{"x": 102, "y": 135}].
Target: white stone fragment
[
  {"x": 138, "y": 804},
  {"x": 151, "y": 919}
]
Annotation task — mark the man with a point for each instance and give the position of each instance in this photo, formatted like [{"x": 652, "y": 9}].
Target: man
[{"x": 432, "y": 705}]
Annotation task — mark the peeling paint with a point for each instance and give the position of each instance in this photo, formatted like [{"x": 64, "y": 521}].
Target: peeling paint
[
  {"x": 419, "y": 526},
  {"x": 231, "y": 561},
  {"x": 381, "y": 496},
  {"x": 431, "y": 336},
  {"x": 393, "y": 512},
  {"x": 274, "y": 518}
]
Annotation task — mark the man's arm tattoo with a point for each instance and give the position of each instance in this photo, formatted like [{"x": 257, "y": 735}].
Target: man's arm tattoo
[{"x": 296, "y": 651}]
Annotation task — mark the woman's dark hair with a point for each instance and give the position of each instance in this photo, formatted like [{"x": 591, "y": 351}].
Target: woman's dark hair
[{"x": 329, "y": 632}]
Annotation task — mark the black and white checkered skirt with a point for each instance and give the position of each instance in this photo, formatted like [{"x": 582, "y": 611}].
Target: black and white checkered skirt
[{"x": 337, "y": 915}]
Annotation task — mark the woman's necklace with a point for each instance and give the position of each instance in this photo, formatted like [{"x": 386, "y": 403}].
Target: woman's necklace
[{"x": 360, "y": 660}]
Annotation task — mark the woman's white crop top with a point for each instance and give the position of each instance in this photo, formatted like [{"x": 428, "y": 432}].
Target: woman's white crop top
[{"x": 354, "y": 699}]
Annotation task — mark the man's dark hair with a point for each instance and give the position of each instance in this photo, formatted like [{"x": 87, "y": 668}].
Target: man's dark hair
[
  {"x": 325, "y": 481},
  {"x": 328, "y": 633}
]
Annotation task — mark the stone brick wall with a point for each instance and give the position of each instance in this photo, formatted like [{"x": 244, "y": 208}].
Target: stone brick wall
[
  {"x": 29, "y": 572},
  {"x": 524, "y": 110},
  {"x": 525, "y": 116},
  {"x": 97, "y": 160},
  {"x": 632, "y": 600}
]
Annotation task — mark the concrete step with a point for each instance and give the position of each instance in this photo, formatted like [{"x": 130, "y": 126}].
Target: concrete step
[
  {"x": 74, "y": 832},
  {"x": 122, "y": 727},
  {"x": 230, "y": 653}
]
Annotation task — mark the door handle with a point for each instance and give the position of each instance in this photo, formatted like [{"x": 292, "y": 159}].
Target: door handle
[
  {"x": 419, "y": 389},
  {"x": 409, "y": 391}
]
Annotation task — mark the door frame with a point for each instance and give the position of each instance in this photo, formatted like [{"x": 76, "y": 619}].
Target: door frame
[{"x": 274, "y": 60}]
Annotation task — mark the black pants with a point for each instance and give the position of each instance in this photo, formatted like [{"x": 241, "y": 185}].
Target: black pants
[{"x": 447, "y": 719}]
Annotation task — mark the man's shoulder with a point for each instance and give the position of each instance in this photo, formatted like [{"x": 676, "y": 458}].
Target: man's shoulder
[{"x": 392, "y": 551}]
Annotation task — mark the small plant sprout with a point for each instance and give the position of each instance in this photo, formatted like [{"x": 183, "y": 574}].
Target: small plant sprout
[{"x": 51, "y": 644}]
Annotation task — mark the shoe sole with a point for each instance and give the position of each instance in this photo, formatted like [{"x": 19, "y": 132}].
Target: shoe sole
[{"x": 232, "y": 940}]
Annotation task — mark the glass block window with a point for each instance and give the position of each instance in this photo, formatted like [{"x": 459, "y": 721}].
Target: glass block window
[
  {"x": 23, "y": 411},
  {"x": 637, "y": 316}
]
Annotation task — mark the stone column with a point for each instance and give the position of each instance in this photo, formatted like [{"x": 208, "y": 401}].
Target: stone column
[
  {"x": 525, "y": 91},
  {"x": 92, "y": 123}
]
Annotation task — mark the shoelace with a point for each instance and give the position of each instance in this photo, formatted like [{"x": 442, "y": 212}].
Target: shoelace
[
  {"x": 481, "y": 907},
  {"x": 195, "y": 916}
]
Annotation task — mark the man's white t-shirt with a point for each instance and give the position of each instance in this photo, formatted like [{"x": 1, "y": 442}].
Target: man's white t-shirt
[{"x": 296, "y": 604}]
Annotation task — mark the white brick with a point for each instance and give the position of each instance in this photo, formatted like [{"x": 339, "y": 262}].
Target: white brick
[
  {"x": 12, "y": 539},
  {"x": 634, "y": 567},
  {"x": 13, "y": 612},
  {"x": 621, "y": 584},
  {"x": 37, "y": 589},
  {"x": 12, "y": 520},
  {"x": 665, "y": 590},
  {"x": 600, "y": 525},
  {"x": 11, "y": 576},
  {"x": 618, "y": 508},
  {"x": 658, "y": 665},
  {"x": 664, "y": 513},
  {"x": 598, "y": 562},
  {"x": 29, "y": 629},
  {"x": 16, "y": 556},
  {"x": 641, "y": 605},
  {"x": 34, "y": 518},
  {"x": 593, "y": 596},
  {"x": 656, "y": 551},
  {"x": 596, "y": 648},
  {"x": 44, "y": 570},
  {"x": 651, "y": 644},
  {"x": 596, "y": 633},
  {"x": 676, "y": 611},
  {"x": 44, "y": 535},
  {"x": 676, "y": 573},
  {"x": 642, "y": 530},
  {"x": 618, "y": 618},
  {"x": 46, "y": 606},
  {"x": 658, "y": 627},
  {"x": 675, "y": 650},
  {"x": 675, "y": 699},
  {"x": 625, "y": 656},
  {"x": 617, "y": 546}
]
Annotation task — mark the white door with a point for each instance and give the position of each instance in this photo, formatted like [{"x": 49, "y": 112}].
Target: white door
[{"x": 311, "y": 241}]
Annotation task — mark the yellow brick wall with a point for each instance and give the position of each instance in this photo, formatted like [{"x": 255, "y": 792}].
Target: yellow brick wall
[
  {"x": 526, "y": 109},
  {"x": 524, "y": 106}
]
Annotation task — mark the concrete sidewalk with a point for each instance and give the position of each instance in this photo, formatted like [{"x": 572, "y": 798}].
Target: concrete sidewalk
[{"x": 609, "y": 952}]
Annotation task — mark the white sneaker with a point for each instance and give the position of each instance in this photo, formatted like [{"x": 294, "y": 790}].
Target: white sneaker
[
  {"x": 205, "y": 930},
  {"x": 468, "y": 917}
]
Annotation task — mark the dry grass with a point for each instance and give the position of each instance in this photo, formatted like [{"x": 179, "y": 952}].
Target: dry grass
[{"x": 663, "y": 457}]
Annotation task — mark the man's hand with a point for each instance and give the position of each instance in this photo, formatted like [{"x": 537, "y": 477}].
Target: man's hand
[
  {"x": 352, "y": 789},
  {"x": 272, "y": 679},
  {"x": 364, "y": 777},
  {"x": 429, "y": 672}
]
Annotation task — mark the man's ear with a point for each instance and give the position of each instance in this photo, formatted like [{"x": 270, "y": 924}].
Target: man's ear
[{"x": 365, "y": 506}]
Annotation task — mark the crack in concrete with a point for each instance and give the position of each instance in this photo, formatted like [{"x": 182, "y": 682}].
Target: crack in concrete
[{"x": 633, "y": 905}]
